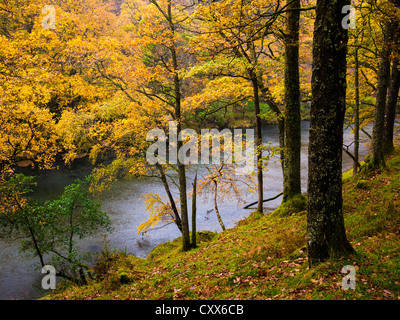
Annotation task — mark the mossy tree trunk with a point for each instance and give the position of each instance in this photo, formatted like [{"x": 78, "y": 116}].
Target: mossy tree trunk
[
  {"x": 326, "y": 235},
  {"x": 292, "y": 180},
  {"x": 266, "y": 94},
  {"x": 390, "y": 112},
  {"x": 380, "y": 105},
  {"x": 255, "y": 78},
  {"x": 194, "y": 212},
  {"x": 178, "y": 118},
  {"x": 356, "y": 114},
  {"x": 182, "y": 176},
  {"x": 257, "y": 111}
]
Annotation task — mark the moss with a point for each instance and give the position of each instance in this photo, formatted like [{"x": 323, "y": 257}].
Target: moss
[
  {"x": 265, "y": 257},
  {"x": 124, "y": 277},
  {"x": 205, "y": 236},
  {"x": 173, "y": 248},
  {"x": 255, "y": 215},
  {"x": 362, "y": 184},
  {"x": 367, "y": 165},
  {"x": 292, "y": 206},
  {"x": 347, "y": 175}
]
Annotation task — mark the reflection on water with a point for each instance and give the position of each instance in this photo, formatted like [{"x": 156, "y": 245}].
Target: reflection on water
[{"x": 19, "y": 279}]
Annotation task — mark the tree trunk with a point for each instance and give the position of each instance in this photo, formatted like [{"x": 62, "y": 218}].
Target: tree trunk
[
  {"x": 390, "y": 113},
  {"x": 194, "y": 211},
  {"x": 356, "y": 115},
  {"x": 383, "y": 84},
  {"x": 177, "y": 218},
  {"x": 292, "y": 180},
  {"x": 35, "y": 243},
  {"x": 221, "y": 223},
  {"x": 183, "y": 196},
  {"x": 281, "y": 119},
  {"x": 181, "y": 166},
  {"x": 260, "y": 183},
  {"x": 326, "y": 235},
  {"x": 32, "y": 233}
]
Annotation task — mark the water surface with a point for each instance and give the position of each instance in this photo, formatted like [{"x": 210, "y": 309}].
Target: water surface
[{"x": 19, "y": 279}]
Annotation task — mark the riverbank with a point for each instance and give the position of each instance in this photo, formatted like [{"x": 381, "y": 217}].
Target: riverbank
[
  {"x": 264, "y": 256},
  {"x": 21, "y": 280}
]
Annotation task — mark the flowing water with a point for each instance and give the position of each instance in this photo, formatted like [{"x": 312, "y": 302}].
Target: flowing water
[{"x": 19, "y": 279}]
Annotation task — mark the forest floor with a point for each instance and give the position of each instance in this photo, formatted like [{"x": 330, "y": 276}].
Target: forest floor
[{"x": 264, "y": 256}]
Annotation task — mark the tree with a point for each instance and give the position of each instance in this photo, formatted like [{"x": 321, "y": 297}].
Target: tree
[
  {"x": 171, "y": 92},
  {"x": 382, "y": 136},
  {"x": 326, "y": 235},
  {"x": 363, "y": 64},
  {"x": 43, "y": 72},
  {"x": 194, "y": 212},
  {"x": 222, "y": 181},
  {"x": 292, "y": 179},
  {"x": 17, "y": 213},
  {"x": 240, "y": 34},
  {"x": 390, "y": 111},
  {"x": 50, "y": 231},
  {"x": 356, "y": 113},
  {"x": 355, "y": 43},
  {"x": 381, "y": 95},
  {"x": 152, "y": 47}
]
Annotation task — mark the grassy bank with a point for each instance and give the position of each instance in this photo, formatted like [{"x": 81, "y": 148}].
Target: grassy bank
[{"x": 264, "y": 257}]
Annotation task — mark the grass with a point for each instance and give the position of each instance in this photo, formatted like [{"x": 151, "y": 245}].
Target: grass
[{"x": 264, "y": 256}]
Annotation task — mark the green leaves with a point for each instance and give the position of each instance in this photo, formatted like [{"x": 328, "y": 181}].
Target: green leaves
[
  {"x": 52, "y": 229},
  {"x": 76, "y": 213}
]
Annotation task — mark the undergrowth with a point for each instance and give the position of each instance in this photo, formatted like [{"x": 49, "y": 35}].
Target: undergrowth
[{"x": 264, "y": 256}]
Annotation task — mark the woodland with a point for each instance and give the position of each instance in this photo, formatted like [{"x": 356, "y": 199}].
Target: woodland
[{"x": 91, "y": 78}]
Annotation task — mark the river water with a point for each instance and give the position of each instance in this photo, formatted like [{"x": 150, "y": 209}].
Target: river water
[{"x": 19, "y": 279}]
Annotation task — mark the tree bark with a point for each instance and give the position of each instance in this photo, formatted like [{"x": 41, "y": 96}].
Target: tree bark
[
  {"x": 163, "y": 177},
  {"x": 380, "y": 106},
  {"x": 390, "y": 112},
  {"x": 326, "y": 235},
  {"x": 35, "y": 243},
  {"x": 32, "y": 233},
  {"x": 194, "y": 212},
  {"x": 265, "y": 93},
  {"x": 181, "y": 166},
  {"x": 221, "y": 223},
  {"x": 356, "y": 115},
  {"x": 292, "y": 179},
  {"x": 266, "y": 200},
  {"x": 260, "y": 183}
]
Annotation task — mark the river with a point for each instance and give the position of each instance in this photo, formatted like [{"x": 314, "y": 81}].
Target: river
[{"x": 19, "y": 279}]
